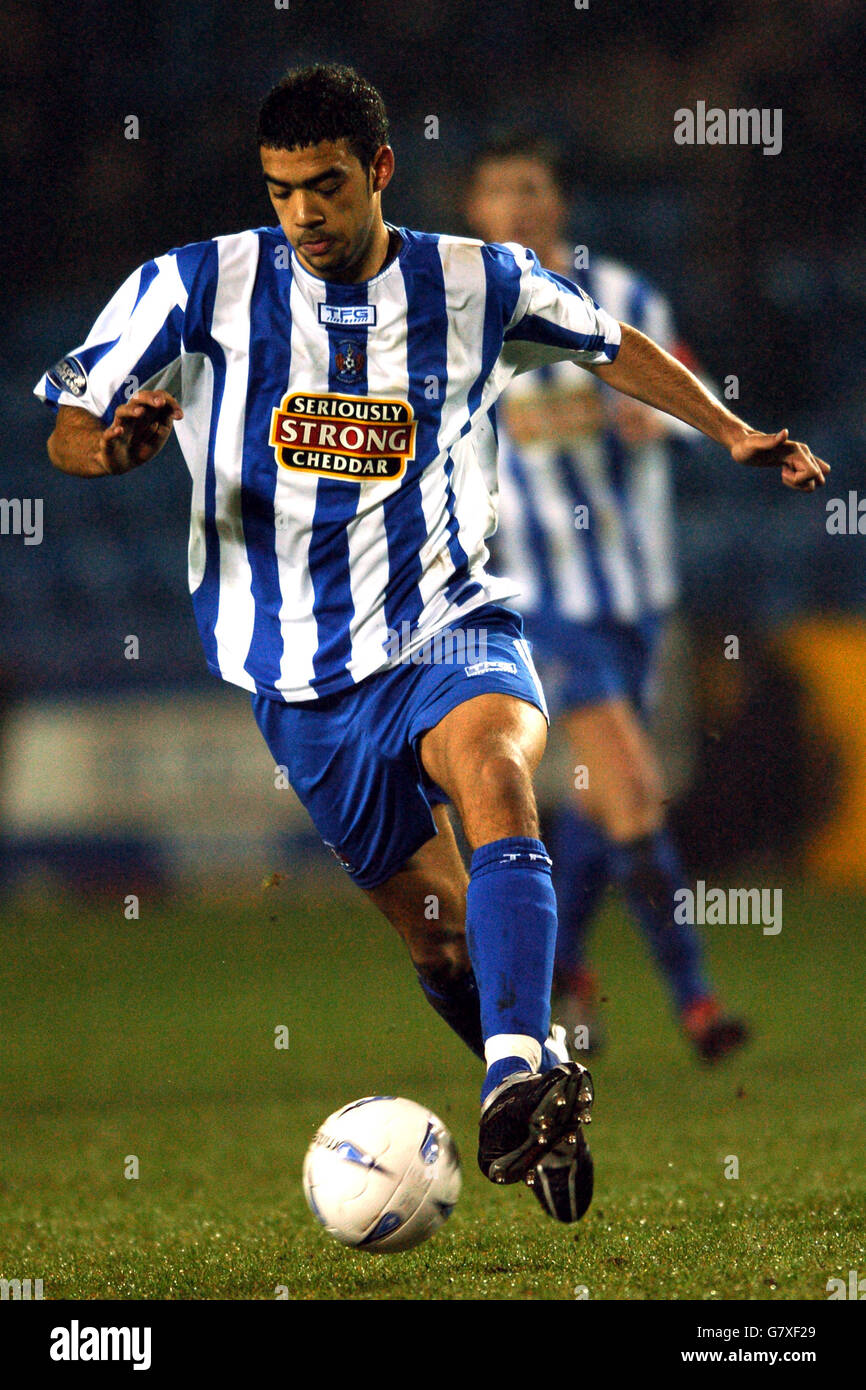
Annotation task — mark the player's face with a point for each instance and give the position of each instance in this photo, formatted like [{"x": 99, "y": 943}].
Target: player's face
[
  {"x": 327, "y": 203},
  {"x": 515, "y": 199}
]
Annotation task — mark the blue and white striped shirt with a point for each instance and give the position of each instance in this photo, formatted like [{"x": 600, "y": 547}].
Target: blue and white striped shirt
[
  {"x": 338, "y": 436},
  {"x": 619, "y": 564}
]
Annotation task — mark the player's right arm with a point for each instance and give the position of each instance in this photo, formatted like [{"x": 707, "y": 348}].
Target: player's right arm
[
  {"x": 82, "y": 445},
  {"x": 111, "y": 396}
]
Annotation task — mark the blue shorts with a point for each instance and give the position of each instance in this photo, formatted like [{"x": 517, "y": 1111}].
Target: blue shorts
[
  {"x": 353, "y": 759},
  {"x": 589, "y": 663}
]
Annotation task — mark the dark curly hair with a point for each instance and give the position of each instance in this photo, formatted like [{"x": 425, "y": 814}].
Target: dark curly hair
[{"x": 327, "y": 101}]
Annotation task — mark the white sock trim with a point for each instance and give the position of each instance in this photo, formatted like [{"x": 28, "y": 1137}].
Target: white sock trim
[{"x": 513, "y": 1045}]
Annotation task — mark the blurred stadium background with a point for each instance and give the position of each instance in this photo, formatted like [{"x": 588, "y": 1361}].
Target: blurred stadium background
[
  {"x": 138, "y": 772},
  {"x": 148, "y": 777}
]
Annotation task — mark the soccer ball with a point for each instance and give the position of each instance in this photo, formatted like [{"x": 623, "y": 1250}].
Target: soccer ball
[{"x": 382, "y": 1174}]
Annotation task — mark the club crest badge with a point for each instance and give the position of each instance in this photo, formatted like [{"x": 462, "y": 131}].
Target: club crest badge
[{"x": 349, "y": 361}]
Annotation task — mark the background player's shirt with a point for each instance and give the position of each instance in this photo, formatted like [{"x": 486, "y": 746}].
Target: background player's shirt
[
  {"x": 331, "y": 432},
  {"x": 620, "y": 564}
]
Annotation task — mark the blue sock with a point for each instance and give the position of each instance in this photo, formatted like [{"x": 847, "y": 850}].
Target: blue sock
[
  {"x": 650, "y": 872},
  {"x": 511, "y": 935},
  {"x": 501, "y": 1070},
  {"x": 456, "y": 1001},
  {"x": 581, "y": 872}
]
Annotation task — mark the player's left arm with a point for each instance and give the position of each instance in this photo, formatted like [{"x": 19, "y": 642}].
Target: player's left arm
[
  {"x": 638, "y": 424},
  {"x": 643, "y": 370}
]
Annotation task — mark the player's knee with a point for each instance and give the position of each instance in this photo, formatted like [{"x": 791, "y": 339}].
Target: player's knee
[
  {"x": 441, "y": 957},
  {"x": 502, "y": 776},
  {"x": 437, "y": 939},
  {"x": 497, "y": 797},
  {"x": 634, "y": 806}
]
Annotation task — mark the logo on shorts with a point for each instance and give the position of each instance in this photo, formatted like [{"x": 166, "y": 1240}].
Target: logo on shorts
[
  {"x": 352, "y": 437},
  {"x": 69, "y": 375},
  {"x": 343, "y": 863},
  {"x": 481, "y": 668}
]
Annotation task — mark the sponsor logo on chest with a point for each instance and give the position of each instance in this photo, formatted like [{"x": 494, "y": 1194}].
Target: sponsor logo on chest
[
  {"x": 352, "y": 437},
  {"x": 358, "y": 315}
]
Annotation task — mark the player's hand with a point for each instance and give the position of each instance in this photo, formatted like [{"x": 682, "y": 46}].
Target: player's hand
[
  {"x": 800, "y": 468},
  {"x": 140, "y": 428}
]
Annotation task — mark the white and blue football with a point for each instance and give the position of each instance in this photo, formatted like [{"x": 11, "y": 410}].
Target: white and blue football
[{"x": 382, "y": 1174}]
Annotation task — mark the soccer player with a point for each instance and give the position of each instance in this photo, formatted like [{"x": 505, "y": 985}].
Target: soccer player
[
  {"x": 329, "y": 380},
  {"x": 585, "y": 525}
]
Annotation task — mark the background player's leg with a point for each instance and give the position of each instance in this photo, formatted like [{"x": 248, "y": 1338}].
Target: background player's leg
[
  {"x": 624, "y": 797},
  {"x": 581, "y": 873},
  {"x": 483, "y": 754},
  {"x": 426, "y": 903},
  {"x": 624, "y": 794}
]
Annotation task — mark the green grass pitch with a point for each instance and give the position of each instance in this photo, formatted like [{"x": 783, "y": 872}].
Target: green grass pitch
[{"x": 155, "y": 1038}]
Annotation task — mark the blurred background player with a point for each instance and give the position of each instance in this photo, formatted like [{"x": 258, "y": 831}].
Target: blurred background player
[{"x": 586, "y": 526}]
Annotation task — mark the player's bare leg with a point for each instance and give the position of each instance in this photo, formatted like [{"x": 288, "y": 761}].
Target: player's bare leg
[
  {"x": 426, "y": 903},
  {"x": 483, "y": 754},
  {"x": 624, "y": 798}
]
